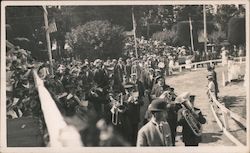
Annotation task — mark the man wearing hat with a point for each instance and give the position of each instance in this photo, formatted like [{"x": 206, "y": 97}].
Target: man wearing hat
[
  {"x": 148, "y": 82},
  {"x": 211, "y": 72},
  {"x": 118, "y": 76},
  {"x": 99, "y": 75},
  {"x": 157, "y": 131},
  {"x": 211, "y": 86},
  {"x": 127, "y": 68},
  {"x": 159, "y": 87},
  {"x": 133, "y": 112},
  {"x": 188, "y": 136}
]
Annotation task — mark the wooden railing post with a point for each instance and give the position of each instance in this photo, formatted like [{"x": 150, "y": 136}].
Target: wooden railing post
[
  {"x": 224, "y": 82},
  {"x": 225, "y": 119},
  {"x": 195, "y": 66}
]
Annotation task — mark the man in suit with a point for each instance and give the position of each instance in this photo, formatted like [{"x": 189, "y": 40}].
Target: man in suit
[{"x": 157, "y": 131}]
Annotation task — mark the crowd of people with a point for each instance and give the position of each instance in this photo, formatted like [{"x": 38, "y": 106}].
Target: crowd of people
[
  {"x": 107, "y": 95},
  {"x": 21, "y": 94},
  {"x": 160, "y": 47}
]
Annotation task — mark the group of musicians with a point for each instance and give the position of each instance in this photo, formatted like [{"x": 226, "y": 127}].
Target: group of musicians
[{"x": 131, "y": 86}]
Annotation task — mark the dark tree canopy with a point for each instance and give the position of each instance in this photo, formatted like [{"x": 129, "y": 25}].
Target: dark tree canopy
[
  {"x": 28, "y": 21},
  {"x": 237, "y": 31},
  {"x": 183, "y": 34}
]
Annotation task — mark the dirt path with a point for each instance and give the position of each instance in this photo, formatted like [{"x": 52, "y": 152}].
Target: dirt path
[{"x": 195, "y": 82}]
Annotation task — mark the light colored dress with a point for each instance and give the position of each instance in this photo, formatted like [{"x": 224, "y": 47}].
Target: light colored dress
[
  {"x": 188, "y": 63},
  {"x": 234, "y": 71},
  {"x": 171, "y": 66},
  {"x": 224, "y": 57}
]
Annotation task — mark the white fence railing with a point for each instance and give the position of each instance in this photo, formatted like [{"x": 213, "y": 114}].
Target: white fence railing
[
  {"x": 195, "y": 65},
  {"x": 226, "y": 114},
  {"x": 57, "y": 127}
]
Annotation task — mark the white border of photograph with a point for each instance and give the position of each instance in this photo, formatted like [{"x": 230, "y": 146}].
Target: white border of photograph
[{"x": 209, "y": 149}]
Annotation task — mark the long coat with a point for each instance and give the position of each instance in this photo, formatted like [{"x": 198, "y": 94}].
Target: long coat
[
  {"x": 118, "y": 78},
  {"x": 100, "y": 78},
  {"x": 149, "y": 135}
]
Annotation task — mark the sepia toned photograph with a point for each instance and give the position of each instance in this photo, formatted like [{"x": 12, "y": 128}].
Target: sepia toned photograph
[{"x": 129, "y": 75}]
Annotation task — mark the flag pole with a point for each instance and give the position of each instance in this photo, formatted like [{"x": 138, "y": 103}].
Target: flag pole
[
  {"x": 205, "y": 28},
  {"x": 45, "y": 13},
  {"x": 191, "y": 34},
  {"x": 134, "y": 31}
]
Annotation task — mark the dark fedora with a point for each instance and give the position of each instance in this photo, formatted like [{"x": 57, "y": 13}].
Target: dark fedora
[{"x": 157, "y": 105}]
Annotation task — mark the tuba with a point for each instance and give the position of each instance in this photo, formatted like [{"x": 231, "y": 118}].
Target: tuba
[
  {"x": 118, "y": 107},
  {"x": 189, "y": 115}
]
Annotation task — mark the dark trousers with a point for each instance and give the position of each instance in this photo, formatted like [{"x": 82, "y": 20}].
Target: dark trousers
[
  {"x": 190, "y": 143},
  {"x": 173, "y": 126},
  {"x": 134, "y": 131}
]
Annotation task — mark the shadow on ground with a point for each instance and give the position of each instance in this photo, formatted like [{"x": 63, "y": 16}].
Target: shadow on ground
[
  {"x": 233, "y": 101},
  {"x": 210, "y": 137}
]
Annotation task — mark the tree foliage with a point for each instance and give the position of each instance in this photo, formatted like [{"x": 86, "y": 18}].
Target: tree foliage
[
  {"x": 167, "y": 36},
  {"x": 183, "y": 34},
  {"x": 237, "y": 31},
  {"x": 224, "y": 13},
  {"x": 217, "y": 37},
  {"x": 97, "y": 39},
  {"x": 149, "y": 19}
]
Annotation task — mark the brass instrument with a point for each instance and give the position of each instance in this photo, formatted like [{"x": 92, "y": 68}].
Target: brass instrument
[
  {"x": 189, "y": 115},
  {"x": 117, "y": 107}
]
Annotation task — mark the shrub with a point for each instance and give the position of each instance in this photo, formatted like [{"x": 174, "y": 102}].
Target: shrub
[{"x": 97, "y": 39}]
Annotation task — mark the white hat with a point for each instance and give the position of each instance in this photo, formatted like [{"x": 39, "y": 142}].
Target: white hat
[{"x": 183, "y": 97}]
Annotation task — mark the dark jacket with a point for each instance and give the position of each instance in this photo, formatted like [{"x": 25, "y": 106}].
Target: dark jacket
[
  {"x": 100, "y": 78},
  {"x": 187, "y": 133}
]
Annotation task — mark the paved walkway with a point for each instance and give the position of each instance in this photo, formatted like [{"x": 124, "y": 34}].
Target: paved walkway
[{"x": 195, "y": 82}]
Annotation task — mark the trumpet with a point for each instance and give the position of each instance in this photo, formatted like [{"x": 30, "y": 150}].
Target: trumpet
[{"x": 117, "y": 108}]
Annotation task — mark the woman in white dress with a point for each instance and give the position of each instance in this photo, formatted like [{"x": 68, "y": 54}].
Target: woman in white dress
[
  {"x": 171, "y": 65},
  {"x": 188, "y": 63},
  {"x": 224, "y": 56}
]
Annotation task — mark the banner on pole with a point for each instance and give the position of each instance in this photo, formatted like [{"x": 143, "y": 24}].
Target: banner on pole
[
  {"x": 52, "y": 26},
  {"x": 44, "y": 9},
  {"x": 54, "y": 46},
  {"x": 201, "y": 36}
]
